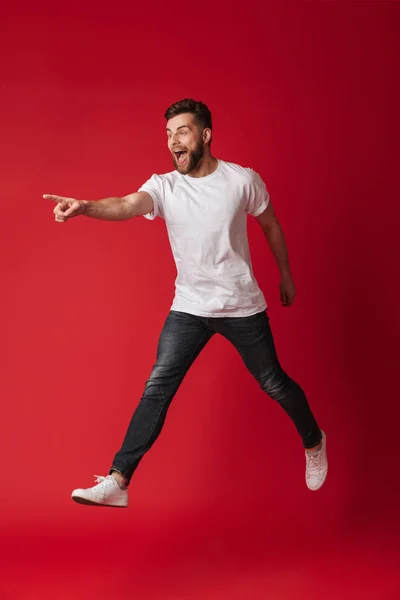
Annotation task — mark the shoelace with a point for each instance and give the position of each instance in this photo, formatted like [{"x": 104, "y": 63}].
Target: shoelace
[
  {"x": 100, "y": 479},
  {"x": 314, "y": 462}
]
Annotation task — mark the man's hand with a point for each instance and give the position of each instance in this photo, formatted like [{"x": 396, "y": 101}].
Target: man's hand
[
  {"x": 287, "y": 290},
  {"x": 66, "y": 207}
]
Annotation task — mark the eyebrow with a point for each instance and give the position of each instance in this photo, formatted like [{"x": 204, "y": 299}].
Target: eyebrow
[{"x": 181, "y": 127}]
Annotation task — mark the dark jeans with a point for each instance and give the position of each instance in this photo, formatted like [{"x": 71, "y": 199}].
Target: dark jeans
[{"x": 181, "y": 341}]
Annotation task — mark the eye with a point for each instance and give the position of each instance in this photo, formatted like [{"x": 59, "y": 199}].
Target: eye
[{"x": 183, "y": 132}]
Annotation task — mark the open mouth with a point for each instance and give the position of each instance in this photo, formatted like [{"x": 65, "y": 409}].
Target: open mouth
[{"x": 180, "y": 156}]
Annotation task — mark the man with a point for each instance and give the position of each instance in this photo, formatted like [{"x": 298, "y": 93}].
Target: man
[{"x": 205, "y": 202}]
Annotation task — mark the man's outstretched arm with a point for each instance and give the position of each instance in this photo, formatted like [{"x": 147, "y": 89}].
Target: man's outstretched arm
[{"x": 109, "y": 209}]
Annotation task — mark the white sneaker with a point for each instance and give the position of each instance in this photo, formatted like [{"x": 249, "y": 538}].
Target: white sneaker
[
  {"x": 317, "y": 466},
  {"x": 106, "y": 493}
]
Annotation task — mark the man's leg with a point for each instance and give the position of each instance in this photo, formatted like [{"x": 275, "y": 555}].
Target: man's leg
[
  {"x": 182, "y": 339},
  {"x": 253, "y": 339}
]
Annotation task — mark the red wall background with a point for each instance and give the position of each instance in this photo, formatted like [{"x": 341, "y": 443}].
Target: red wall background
[{"x": 306, "y": 94}]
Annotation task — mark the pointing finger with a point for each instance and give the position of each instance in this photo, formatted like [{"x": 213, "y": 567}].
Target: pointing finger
[{"x": 54, "y": 198}]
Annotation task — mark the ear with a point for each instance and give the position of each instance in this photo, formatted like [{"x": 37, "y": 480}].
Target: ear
[{"x": 207, "y": 135}]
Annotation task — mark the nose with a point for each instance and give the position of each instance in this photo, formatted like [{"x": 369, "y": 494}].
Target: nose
[{"x": 173, "y": 140}]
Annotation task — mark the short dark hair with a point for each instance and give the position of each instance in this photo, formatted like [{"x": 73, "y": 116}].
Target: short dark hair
[{"x": 199, "y": 110}]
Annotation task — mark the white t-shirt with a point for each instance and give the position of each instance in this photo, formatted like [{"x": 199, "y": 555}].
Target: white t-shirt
[{"x": 206, "y": 222}]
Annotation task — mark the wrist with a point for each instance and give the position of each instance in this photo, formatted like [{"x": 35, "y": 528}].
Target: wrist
[{"x": 285, "y": 273}]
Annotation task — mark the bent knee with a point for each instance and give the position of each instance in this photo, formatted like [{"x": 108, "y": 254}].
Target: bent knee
[{"x": 276, "y": 384}]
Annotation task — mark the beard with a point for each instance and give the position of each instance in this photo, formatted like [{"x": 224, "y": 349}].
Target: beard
[{"x": 192, "y": 161}]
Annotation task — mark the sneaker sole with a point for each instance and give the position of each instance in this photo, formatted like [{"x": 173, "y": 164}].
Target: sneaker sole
[{"x": 91, "y": 503}]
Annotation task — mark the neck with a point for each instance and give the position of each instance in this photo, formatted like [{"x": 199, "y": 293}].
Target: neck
[{"x": 206, "y": 166}]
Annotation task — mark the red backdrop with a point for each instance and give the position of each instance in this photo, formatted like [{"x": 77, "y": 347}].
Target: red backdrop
[{"x": 304, "y": 94}]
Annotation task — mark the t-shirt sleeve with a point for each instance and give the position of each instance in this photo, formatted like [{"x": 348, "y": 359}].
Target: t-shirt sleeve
[
  {"x": 154, "y": 187},
  {"x": 257, "y": 197}
]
